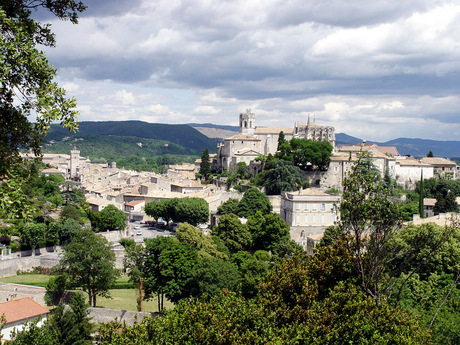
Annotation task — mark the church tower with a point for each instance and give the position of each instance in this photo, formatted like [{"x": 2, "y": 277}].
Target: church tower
[
  {"x": 74, "y": 160},
  {"x": 247, "y": 122}
]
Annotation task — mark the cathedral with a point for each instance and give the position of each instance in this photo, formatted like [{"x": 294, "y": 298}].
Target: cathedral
[{"x": 252, "y": 142}]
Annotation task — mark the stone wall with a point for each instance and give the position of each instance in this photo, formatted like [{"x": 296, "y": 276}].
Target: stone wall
[
  {"x": 103, "y": 315},
  {"x": 23, "y": 261}
]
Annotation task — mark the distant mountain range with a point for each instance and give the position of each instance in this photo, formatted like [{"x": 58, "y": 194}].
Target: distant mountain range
[
  {"x": 128, "y": 138},
  {"x": 137, "y": 138}
]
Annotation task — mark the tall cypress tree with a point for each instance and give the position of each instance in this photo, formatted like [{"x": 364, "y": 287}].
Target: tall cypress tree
[
  {"x": 205, "y": 165},
  {"x": 421, "y": 206}
]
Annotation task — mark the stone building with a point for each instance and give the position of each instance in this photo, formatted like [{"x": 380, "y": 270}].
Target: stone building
[
  {"x": 308, "y": 212},
  {"x": 252, "y": 142}
]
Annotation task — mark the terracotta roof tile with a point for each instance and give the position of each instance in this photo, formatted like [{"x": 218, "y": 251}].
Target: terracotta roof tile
[{"x": 21, "y": 309}]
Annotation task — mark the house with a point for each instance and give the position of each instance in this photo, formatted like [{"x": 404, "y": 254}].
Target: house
[
  {"x": 443, "y": 167},
  {"x": 428, "y": 206},
  {"x": 308, "y": 212},
  {"x": 18, "y": 312},
  {"x": 135, "y": 209},
  {"x": 408, "y": 171}
]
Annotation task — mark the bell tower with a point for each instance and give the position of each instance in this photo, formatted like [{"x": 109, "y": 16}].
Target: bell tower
[{"x": 247, "y": 122}]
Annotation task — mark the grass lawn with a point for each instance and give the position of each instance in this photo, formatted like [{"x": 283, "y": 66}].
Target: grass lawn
[
  {"x": 27, "y": 279},
  {"x": 124, "y": 297}
]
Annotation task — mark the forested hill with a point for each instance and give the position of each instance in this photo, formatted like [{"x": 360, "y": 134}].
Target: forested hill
[{"x": 191, "y": 140}]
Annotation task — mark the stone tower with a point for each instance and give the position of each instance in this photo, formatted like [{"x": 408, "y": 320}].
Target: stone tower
[
  {"x": 74, "y": 160},
  {"x": 247, "y": 122}
]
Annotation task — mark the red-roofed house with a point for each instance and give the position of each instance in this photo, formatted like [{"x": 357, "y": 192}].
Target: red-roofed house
[{"x": 18, "y": 312}]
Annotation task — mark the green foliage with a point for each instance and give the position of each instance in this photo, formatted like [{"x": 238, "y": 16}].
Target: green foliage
[
  {"x": 283, "y": 177},
  {"x": 55, "y": 289},
  {"x": 229, "y": 206},
  {"x": 33, "y": 233},
  {"x": 27, "y": 79},
  {"x": 445, "y": 202},
  {"x": 235, "y": 235},
  {"x": 205, "y": 165},
  {"x": 430, "y": 154},
  {"x": 89, "y": 262},
  {"x": 110, "y": 218},
  {"x": 190, "y": 210},
  {"x": 268, "y": 231},
  {"x": 253, "y": 200},
  {"x": 213, "y": 275},
  {"x": 169, "y": 268},
  {"x": 204, "y": 245},
  {"x": 70, "y": 212},
  {"x": 69, "y": 230},
  {"x": 63, "y": 327},
  {"x": 306, "y": 153},
  {"x": 14, "y": 204}
]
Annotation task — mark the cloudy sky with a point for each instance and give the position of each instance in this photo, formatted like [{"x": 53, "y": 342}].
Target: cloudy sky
[{"x": 377, "y": 70}]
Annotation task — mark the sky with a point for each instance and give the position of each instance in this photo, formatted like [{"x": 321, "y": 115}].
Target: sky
[{"x": 376, "y": 70}]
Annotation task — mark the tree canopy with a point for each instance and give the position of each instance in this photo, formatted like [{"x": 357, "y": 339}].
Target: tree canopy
[
  {"x": 89, "y": 262},
  {"x": 253, "y": 200},
  {"x": 306, "y": 153},
  {"x": 26, "y": 78}
]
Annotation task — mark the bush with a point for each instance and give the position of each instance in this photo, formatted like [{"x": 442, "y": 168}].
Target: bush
[
  {"x": 5, "y": 239},
  {"x": 15, "y": 247}
]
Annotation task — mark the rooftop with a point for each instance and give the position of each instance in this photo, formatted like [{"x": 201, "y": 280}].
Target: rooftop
[{"x": 21, "y": 309}]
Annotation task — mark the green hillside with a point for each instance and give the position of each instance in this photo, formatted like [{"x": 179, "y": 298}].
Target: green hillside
[{"x": 181, "y": 135}]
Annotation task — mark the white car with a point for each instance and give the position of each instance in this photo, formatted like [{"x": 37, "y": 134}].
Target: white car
[
  {"x": 139, "y": 233},
  {"x": 136, "y": 227}
]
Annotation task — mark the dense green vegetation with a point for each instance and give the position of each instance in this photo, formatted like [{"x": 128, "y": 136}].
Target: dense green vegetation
[{"x": 180, "y": 135}]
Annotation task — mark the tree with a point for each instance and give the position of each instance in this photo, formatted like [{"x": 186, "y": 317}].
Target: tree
[
  {"x": 192, "y": 211},
  {"x": 370, "y": 222},
  {"x": 111, "y": 218},
  {"x": 284, "y": 177},
  {"x": 253, "y": 200},
  {"x": 430, "y": 154},
  {"x": 89, "y": 262},
  {"x": 205, "y": 165},
  {"x": 229, "y": 206},
  {"x": 204, "y": 245},
  {"x": 33, "y": 234},
  {"x": 68, "y": 230},
  {"x": 71, "y": 326},
  {"x": 213, "y": 275},
  {"x": 445, "y": 202},
  {"x": 134, "y": 262},
  {"x": 70, "y": 211},
  {"x": 269, "y": 233},
  {"x": 26, "y": 77},
  {"x": 306, "y": 153},
  {"x": 421, "y": 205},
  {"x": 281, "y": 140},
  {"x": 169, "y": 269},
  {"x": 235, "y": 235}
]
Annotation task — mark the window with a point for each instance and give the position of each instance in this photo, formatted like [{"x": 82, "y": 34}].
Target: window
[
  {"x": 336, "y": 169},
  {"x": 314, "y": 207},
  {"x": 306, "y": 219},
  {"x": 297, "y": 219},
  {"x": 314, "y": 219},
  {"x": 334, "y": 218},
  {"x": 323, "y": 219},
  {"x": 323, "y": 207},
  {"x": 306, "y": 207},
  {"x": 298, "y": 206}
]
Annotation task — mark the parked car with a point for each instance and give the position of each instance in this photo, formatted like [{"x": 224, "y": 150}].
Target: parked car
[
  {"x": 132, "y": 220},
  {"x": 139, "y": 233},
  {"x": 142, "y": 222},
  {"x": 136, "y": 227}
]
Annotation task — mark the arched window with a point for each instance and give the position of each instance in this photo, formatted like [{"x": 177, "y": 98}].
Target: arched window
[{"x": 245, "y": 124}]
